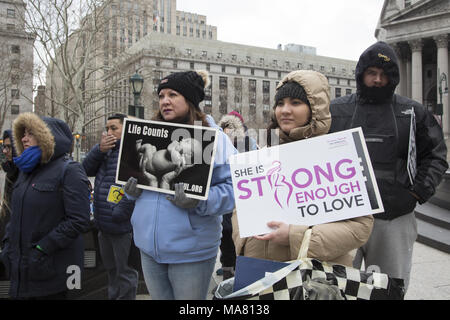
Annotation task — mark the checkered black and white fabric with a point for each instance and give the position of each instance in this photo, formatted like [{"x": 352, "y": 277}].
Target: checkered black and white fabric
[
  {"x": 354, "y": 284},
  {"x": 287, "y": 283}
]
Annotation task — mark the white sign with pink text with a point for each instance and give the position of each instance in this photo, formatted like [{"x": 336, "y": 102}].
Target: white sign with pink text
[{"x": 307, "y": 182}]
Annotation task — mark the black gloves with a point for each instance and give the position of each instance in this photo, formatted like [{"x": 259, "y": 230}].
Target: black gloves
[
  {"x": 131, "y": 188},
  {"x": 180, "y": 199}
]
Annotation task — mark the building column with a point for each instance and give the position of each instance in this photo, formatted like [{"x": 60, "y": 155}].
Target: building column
[
  {"x": 408, "y": 83},
  {"x": 416, "y": 74},
  {"x": 442, "y": 68},
  {"x": 402, "y": 86}
]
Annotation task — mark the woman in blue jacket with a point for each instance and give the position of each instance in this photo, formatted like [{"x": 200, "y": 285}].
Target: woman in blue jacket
[
  {"x": 49, "y": 211},
  {"x": 179, "y": 237}
]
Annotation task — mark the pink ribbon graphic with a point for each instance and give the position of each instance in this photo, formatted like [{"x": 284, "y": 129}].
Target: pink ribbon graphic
[{"x": 278, "y": 182}]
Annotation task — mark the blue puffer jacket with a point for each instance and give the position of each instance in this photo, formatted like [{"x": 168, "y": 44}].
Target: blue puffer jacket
[
  {"x": 171, "y": 234},
  {"x": 49, "y": 210},
  {"x": 109, "y": 217}
]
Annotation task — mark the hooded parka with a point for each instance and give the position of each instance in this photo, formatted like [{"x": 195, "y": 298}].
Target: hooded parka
[
  {"x": 238, "y": 133},
  {"x": 48, "y": 210},
  {"x": 331, "y": 242}
]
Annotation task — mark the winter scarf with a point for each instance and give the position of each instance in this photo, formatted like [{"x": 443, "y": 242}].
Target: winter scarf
[{"x": 28, "y": 160}]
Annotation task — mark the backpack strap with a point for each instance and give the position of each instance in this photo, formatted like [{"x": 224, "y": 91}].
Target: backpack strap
[{"x": 303, "y": 253}]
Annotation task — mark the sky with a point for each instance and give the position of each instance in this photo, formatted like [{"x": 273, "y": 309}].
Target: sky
[{"x": 336, "y": 28}]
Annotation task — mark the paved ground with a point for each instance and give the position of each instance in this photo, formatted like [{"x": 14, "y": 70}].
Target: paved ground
[{"x": 430, "y": 275}]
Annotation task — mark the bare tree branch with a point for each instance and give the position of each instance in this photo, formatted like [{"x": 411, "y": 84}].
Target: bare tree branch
[{"x": 70, "y": 39}]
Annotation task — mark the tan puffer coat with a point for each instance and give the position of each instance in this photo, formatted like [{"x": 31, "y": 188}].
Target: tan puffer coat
[{"x": 331, "y": 242}]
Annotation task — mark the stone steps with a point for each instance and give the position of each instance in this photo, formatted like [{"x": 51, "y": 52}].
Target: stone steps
[
  {"x": 433, "y": 214},
  {"x": 442, "y": 196},
  {"x": 433, "y": 218},
  {"x": 433, "y": 236}
]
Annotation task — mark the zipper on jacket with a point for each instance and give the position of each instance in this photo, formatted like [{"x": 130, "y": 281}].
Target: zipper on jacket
[{"x": 155, "y": 229}]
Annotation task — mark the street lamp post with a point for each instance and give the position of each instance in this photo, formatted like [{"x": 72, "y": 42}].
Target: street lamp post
[
  {"x": 442, "y": 90},
  {"x": 137, "y": 83},
  {"x": 2, "y": 155},
  {"x": 77, "y": 137}
]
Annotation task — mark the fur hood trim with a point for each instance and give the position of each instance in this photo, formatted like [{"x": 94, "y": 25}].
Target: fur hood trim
[
  {"x": 233, "y": 123},
  {"x": 40, "y": 130}
]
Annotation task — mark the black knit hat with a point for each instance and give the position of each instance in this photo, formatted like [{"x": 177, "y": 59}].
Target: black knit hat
[
  {"x": 190, "y": 84},
  {"x": 379, "y": 55},
  {"x": 292, "y": 90}
]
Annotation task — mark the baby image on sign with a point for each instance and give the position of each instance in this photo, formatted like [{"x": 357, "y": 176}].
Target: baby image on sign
[
  {"x": 161, "y": 154},
  {"x": 308, "y": 182}
]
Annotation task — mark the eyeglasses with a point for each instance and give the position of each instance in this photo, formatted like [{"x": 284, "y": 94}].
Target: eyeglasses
[{"x": 6, "y": 146}]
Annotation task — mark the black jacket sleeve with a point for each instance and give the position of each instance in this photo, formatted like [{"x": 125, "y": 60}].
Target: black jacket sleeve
[
  {"x": 93, "y": 161},
  {"x": 431, "y": 155}
]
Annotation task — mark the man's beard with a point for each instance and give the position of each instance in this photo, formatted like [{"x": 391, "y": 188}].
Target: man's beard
[{"x": 376, "y": 94}]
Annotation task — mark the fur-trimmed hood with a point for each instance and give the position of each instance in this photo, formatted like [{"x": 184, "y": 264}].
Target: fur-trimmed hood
[
  {"x": 318, "y": 92},
  {"x": 53, "y": 135},
  {"x": 233, "y": 123}
]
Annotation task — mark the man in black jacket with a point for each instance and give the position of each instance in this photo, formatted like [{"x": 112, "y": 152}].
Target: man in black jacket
[
  {"x": 112, "y": 212},
  {"x": 409, "y": 161}
]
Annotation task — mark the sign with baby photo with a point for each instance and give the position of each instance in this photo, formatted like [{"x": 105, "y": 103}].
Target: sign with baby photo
[
  {"x": 161, "y": 154},
  {"x": 307, "y": 182}
]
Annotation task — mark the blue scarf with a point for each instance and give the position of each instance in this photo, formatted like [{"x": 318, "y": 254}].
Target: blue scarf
[{"x": 28, "y": 160}]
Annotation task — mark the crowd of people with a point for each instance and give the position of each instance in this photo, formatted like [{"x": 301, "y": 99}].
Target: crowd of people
[{"x": 46, "y": 197}]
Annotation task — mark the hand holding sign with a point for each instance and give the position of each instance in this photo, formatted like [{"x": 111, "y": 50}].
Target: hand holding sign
[
  {"x": 161, "y": 154},
  {"x": 279, "y": 236},
  {"x": 308, "y": 182},
  {"x": 180, "y": 199},
  {"x": 131, "y": 188}
]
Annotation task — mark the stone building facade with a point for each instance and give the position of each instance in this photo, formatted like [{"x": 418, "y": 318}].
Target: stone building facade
[
  {"x": 16, "y": 63},
  {"x": 419, "y": 31},
  {"x": 39, "y": 101},
  {"x": 151, "y": 36},
  {"x": 121, "y": 24},
  {"x": 128, "y": 21},
  {"x": 243, "y": 78}
]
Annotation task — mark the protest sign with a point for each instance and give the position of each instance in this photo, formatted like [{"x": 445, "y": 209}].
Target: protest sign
[
  {"x": 160, "y": 154},
  {"x": 307, "y": 182},
  {"x": 412, "y": 149}
]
